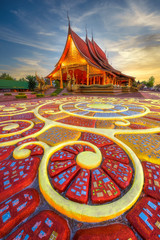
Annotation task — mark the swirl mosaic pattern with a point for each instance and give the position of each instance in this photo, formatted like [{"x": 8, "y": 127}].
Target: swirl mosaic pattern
[{"x": 68, "y": 162}]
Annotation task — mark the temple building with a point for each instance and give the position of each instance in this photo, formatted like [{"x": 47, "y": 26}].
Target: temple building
[{"x": 85, "y": 63}]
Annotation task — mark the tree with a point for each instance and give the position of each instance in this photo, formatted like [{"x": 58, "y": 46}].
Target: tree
[
  {"x": 31, "y": 82},
  {"x": 150, "y": 82},
  {"x": 6, "y": 76},
  {"x": 22, "y": 80}
]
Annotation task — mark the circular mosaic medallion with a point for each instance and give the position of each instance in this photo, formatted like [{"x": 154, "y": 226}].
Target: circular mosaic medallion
[{"x": 93, "y": 177}]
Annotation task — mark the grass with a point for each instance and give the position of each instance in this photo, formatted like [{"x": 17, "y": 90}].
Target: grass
[
  {"x": 109, "y": 85},
  {"x": 7, "y": 94},
  {"x": 21, "y": 96},
  {"x": 56, "y": 92},
  {"x": 40, "y": 95},
  {"x": 53, "y": 94},
  {"x": 21, "y": 93}
]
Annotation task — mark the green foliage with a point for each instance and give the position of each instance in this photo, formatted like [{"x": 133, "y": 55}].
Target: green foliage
[
  {"x": 22, "y": 80},
  {"x": 40, "y": 95},
  {"x": 150, "y": 82},
  {"x": 58, "y": 90},
  {"x": 64, "y": 94},
  {"x": 21, "y": 93},
  {"x": 31, "y": 82},
  {"x": 144, "y": 82},
  {"x": 135, "y": 84},
  {"x": 125, "y": 87},
  {"x": 6, "y": 76},
  {"x": 21, "y": 96},
  {"x": 53, "y": 94},
  {"x": 109, "y": 85},
  {"x": 7, "y": 94},
  {"x": 57, "y": 83},
  {"x": 47, "y": 81}
]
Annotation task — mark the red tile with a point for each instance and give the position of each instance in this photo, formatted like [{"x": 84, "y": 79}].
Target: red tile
[
  {"x": 62, "y": 180},
  {"x": 103, "y": 189},
  {"x": 62, "y": 155},
  {"x": 119, "y": 172},
  {"x": 111, "y": 232},
  {"x": 145, "y": 218},
  {"x": 45, "y": 225},
  {"x": 15, "y": 175},
  {"x": 152, "y": 179},
  {"x": 96, "y": 139},
  {"x": 17, "y": 208},
  {"x": 78, "y": 191},
  {"x": 57, "y": 167},
  {"x": 115, "y": 152},
  {"x": 5, "y": 152}
]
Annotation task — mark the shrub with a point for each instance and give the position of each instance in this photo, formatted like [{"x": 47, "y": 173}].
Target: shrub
[
  {"x": 109, "y": 85},
  {"x": 65, "y": 94},
  {"x": 85, "y": 86},
  {"x": 21, "y": 93},
  {"x": 21, "y": 96},
  {"x": 7, "y": 94},
  {"x": 58, "y": 90},
  {"x": 40, "y": 95},
  {"x": 53, "y": 94},
  {"x": 124, "y": 87}
]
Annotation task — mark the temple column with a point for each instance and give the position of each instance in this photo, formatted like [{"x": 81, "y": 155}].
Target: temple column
[
  {"x": 51, "y": 82},
  {"x": 129, "y": 83},
  {"x": 94, "y": 80},
  {"x": 87, "y": 74},
  {"x": 61, "y": 79},
  {"x": 104, "y": 79}
]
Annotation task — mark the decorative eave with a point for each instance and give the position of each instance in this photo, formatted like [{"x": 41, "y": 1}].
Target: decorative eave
[
  {"x": 93, "y": 54},
  {"x": 58, "y": 64},
  {"x": 97, "y": 51}
]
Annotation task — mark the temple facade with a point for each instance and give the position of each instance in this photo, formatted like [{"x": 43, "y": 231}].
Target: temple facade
[{"x": 85, "y": 63}]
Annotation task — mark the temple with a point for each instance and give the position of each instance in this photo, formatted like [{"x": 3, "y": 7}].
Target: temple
[{"x": 85, "y": 63}]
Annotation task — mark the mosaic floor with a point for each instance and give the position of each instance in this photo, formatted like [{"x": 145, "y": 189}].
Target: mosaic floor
[{"x": 80, "y": 168}]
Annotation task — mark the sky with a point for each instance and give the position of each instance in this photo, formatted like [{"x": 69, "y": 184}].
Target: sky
[{"x": 33, "y": 34}]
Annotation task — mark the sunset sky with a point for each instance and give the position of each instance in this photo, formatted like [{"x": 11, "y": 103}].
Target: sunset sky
[{"x": 33, "y": 34}]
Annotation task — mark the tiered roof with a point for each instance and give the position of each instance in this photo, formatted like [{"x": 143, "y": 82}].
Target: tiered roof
[{"x": 93, "y": 54}]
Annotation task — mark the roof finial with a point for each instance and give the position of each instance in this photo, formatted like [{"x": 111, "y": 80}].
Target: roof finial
[
  {"x": 86, "y": 30},
  {"x": 86, "y": 33},
  {"x": 92, "y": 33},
  {"x": 68, "y": 19}
]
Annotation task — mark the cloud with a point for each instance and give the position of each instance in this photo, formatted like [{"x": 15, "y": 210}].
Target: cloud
[
  {"x": 65, "y": 28},
  {"x": 141, "y": 62},
  {"x": 138, "y": 14},
  {"x": 24, "y": 66},
  {"x": 137, "y": 56},
  {"x": 51, "y": 34},
  {"x": 12, "y": 36},
  {"x": 19, "y": 13},
  {"x": 28, "y": 61}
]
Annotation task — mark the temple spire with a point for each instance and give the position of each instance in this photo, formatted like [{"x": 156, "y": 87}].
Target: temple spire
[
  {"x": 92, "y": 35},
  {"x": 86, "y": 32},
  {"x": 69, "y": 24}
]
